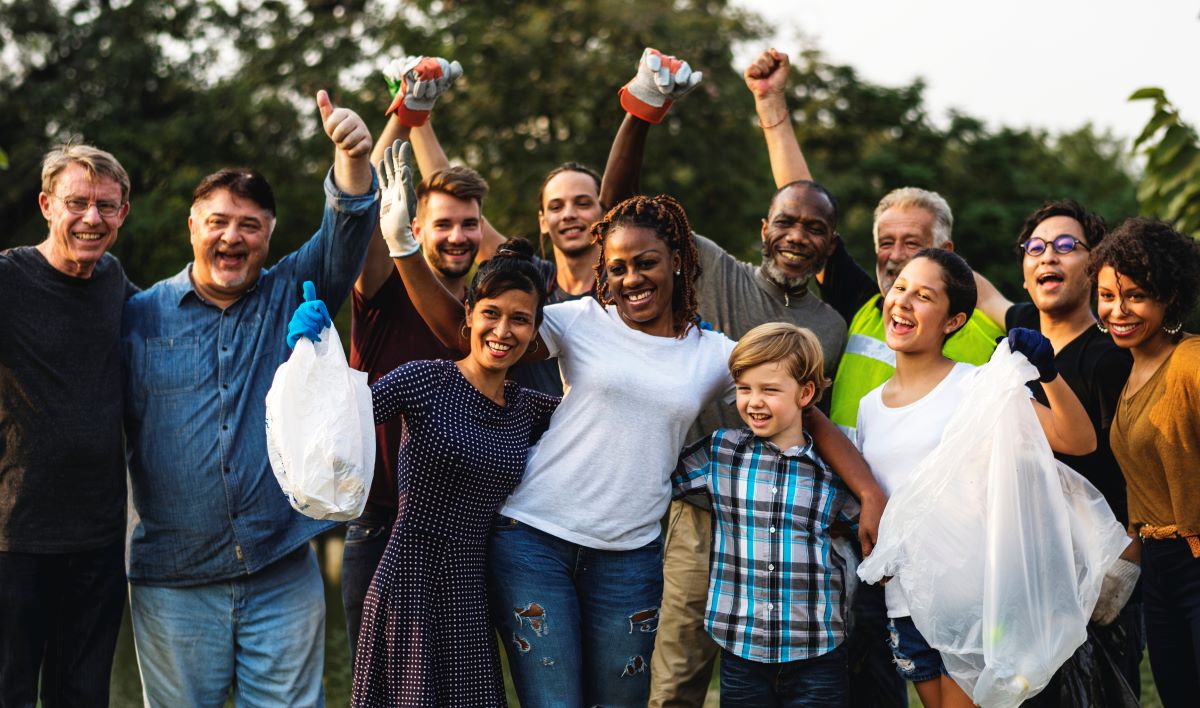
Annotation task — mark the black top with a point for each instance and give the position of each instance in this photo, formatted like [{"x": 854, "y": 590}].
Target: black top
[
  {"x": 62, "y": 463},
  {"x": 1096, "y": 370},
  {"x": 847, "y": 286}
]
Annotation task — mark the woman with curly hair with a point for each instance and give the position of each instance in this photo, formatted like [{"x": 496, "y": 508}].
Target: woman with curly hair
[{"x": 1148, "y": 279}]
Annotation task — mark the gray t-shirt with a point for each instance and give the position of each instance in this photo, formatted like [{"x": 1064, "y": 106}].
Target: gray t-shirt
[
  {"x": 62, "y": 465},
  {"x": 735, "y": 297}
]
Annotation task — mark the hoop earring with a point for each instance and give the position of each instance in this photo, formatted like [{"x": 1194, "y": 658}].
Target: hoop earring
[
  {"x": 462, "y": 331},
  {"x": 536, "y": 345},
  {"x": 1174, "y": 330},
  {"x": 1100, "y": 326}
]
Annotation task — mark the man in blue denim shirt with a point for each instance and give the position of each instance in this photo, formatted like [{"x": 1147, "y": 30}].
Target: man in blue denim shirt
[{"x": 224, "y": 589}]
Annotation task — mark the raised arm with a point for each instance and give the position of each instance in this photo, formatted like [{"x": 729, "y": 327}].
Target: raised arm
[
  {"x": 766, "y": 78},
  {"x": 661, "y": 79},
  {"x": 352, "y": 146},
  {"x": 991, "y": 301},
  {"x": 846, "y": 461},
  {"x": 1065, "y": 422},
  {"x": 378, "y": 264}
]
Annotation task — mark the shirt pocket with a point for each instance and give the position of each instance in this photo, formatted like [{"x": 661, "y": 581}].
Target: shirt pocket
[{"x": 172, "y": 364}]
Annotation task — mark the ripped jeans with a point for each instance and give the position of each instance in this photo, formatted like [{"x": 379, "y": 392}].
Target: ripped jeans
[{"x": 578, "y": 624}]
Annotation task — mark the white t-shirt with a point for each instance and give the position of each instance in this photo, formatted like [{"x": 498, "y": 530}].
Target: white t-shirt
[
  {"x": 895, "y": 440},
  {"x": 600, "y": 475}
]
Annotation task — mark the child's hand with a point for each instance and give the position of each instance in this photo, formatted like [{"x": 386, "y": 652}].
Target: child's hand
[{"x": 868, "y": 521}]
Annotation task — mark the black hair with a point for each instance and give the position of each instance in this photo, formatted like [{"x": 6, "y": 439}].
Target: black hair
[
  {"x": 959, "y": 281},
  {"x": 1157, "y": 257},
  {"x": 817, "y": 186},
  {"x": 242, "y": 183},
  {"x": 511, "y": 268},
  {"x": 1093, "y": 225},
  {"x": 666, "y": 218},
  {"x": 566, "y": 167}
]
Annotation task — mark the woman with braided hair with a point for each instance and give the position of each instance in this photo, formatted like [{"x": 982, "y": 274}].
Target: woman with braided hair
[{"x": 575, "y": 559}]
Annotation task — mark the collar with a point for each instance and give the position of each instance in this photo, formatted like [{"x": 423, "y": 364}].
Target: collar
[
  {"x": 179, "y": 286},
  {"x": 778, "y": 294}
]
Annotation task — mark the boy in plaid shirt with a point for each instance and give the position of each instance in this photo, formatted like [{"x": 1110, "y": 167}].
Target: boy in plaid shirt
[{"x": 776, "y": 593}]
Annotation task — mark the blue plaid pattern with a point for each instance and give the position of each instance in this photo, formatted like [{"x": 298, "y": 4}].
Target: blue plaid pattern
[{"x": 776, "y": 589}]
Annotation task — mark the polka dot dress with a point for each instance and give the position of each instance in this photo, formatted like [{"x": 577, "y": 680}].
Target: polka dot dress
[{"x": 425, "y": 637}]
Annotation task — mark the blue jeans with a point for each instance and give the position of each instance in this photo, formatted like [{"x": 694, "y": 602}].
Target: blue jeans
[
  {"x": 819, "y": 681},
  {"x": 59, "y": 618},
  {"x": 578, "y": 624},
  {"x": 262, "y": 634},
  {"x": 366, "y": 538}
]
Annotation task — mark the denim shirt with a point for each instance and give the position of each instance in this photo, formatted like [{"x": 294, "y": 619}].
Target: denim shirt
[{"x": 196, "y": 379}]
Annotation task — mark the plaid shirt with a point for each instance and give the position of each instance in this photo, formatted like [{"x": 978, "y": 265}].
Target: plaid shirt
[{"x": 776, "y": 589}]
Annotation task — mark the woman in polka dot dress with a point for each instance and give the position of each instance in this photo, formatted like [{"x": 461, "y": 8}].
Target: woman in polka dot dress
[{"x": 425, "y": 638}]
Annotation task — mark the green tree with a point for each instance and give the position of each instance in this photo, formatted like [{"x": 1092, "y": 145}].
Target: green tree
[{"x": 1170, "y": 184}]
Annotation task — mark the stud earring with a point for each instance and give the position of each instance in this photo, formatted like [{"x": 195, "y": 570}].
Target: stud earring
[
  {"x": 678, "y": 271},
  {"x": 1100, "y": 326}
]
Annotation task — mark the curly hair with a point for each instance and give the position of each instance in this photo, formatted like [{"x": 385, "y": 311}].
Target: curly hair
[
  {"x": 1158, "y": 258},
  {"x": 1093, "y": 224},
  {"x": 666, "y": 218}
]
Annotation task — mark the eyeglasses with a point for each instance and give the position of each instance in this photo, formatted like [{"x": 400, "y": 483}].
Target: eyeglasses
[
  {"x": 1063, "y": 243},
  {"x": 79, "y": 205}
]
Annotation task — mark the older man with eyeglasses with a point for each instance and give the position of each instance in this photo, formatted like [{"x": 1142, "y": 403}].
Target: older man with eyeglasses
[{"x": 62, "y": 465}]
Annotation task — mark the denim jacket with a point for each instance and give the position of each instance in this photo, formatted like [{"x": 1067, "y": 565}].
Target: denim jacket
[{"x": 196, "y": 378}]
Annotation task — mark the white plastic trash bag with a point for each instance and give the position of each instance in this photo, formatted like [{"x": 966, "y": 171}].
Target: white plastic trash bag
[
  {"x": 321, "y": 430},
  {"x": 999, "y": 548}
]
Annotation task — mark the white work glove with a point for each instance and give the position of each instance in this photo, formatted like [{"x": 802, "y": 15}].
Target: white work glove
[
  {"x": 1115, "y": 590},
  {"x": 398, "y": 205},
  {"x": 661, "y": 79},
  {"x": 415, "y": 84}
]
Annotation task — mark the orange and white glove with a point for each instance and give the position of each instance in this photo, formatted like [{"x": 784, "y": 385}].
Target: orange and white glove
[
  {"x": 661, "y": 79},
  {"x": 415, "y": 84}
]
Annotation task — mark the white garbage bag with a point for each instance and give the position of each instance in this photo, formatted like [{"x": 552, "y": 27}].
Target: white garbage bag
[
  {"x": 321, "y": 430},
  {"x": 999, "y": 548}
]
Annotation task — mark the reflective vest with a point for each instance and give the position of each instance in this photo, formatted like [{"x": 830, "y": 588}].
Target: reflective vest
[{"x": 868, "y": 362}]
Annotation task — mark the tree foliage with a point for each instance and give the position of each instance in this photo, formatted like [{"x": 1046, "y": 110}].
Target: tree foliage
[
  {"x": 1170, "y": 185},
  {"x": 177, "y": 90}
]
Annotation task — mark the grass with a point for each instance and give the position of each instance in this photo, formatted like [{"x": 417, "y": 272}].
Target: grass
[{"x": 126, "y": 689}]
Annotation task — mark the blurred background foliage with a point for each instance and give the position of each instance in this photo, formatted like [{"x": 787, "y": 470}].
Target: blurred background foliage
[{"x": 177, "y": 90}]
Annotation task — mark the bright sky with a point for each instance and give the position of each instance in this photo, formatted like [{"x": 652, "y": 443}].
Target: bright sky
[{"x": 1054, "y": 64}]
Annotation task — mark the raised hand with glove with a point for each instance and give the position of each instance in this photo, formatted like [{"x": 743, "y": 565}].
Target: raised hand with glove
[
  {"x": 310, "y": 318},
  {"x": 1037, "y": 349},
  {"x": 415, "y": 83},
  {"x": 661, "y": 79},
  {"x": 398, "y": 200}
]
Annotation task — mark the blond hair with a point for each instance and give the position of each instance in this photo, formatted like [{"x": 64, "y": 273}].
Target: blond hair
[
  {"x": 797, "y": 348},
  {"x": 96, "y": 161},
  {"x": 932, "y": 202}
]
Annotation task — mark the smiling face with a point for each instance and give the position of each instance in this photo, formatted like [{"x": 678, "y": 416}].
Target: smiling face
[
  {"x": 797, "y": 236},
  {"x": 501, "y": 329},
  {"x": 771, "y": 402},
  {"x": 640, "y": 269},
  {"x": 76, "y": 242},
  {"x": 230, "y": 236},
  {"x": 449, "y": 230},
  {"x": 1133, "y": 317},
  {"x": 570, "y": 205},
  {"x": 901, "y": 232},
  {"x": 916, "y": 310},
  {"x": 1057, "y": 283}
]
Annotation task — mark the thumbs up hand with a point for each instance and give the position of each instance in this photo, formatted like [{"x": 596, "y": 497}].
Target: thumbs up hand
[{"x": 344, "y": 127}]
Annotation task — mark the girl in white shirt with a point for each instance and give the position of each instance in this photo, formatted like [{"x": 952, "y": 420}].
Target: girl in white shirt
[{"x": 902, "y": 421}]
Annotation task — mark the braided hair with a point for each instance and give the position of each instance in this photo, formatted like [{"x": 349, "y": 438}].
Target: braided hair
[{"x": 664, "y": 216}]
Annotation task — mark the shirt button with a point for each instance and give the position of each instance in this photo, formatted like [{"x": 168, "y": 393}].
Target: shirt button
[
  {"x": 226, "y": 427},
  {"x": 774, "y": 490},
  {"x": 772, "y": 529},
  {"x": 225, "y": 386},
  {"x": 770, "y": 606},
  {"x": 770, "y": 566}
]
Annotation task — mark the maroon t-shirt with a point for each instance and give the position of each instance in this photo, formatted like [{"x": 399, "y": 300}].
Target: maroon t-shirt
[{"x": 385, "y": 332}]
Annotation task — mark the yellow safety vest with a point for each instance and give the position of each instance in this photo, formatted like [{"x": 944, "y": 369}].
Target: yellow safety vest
[{"x": 868, "y": 362}]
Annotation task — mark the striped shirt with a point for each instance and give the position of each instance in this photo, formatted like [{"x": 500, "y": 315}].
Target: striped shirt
[{"x": 776, "y": 589}]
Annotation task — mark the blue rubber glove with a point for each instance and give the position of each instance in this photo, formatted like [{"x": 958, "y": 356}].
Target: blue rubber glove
[
  {"x": 1037, "y": 350},
  {"x": 310, "y": 318}
]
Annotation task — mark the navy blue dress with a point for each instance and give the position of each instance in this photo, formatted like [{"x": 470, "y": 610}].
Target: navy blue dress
[{"x": 425, "y": 638}]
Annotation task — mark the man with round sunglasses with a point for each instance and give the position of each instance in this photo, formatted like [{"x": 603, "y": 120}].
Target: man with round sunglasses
[{"x": 1054, "y": 246}]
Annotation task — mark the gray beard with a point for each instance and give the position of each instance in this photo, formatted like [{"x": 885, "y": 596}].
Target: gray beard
[{"x": 777, "y": 276}]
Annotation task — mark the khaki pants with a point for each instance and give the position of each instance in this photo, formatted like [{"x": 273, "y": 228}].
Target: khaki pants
[{"x": 682, "y": 663}]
